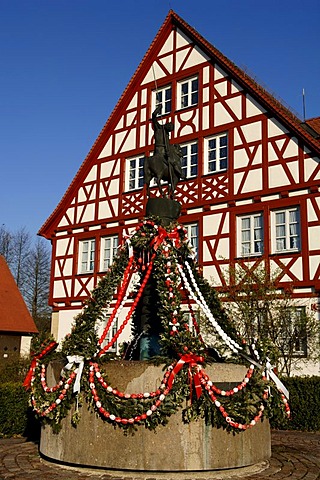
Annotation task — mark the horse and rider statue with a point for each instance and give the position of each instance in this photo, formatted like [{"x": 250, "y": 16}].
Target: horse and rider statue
[{"x": 165, "y": 163}]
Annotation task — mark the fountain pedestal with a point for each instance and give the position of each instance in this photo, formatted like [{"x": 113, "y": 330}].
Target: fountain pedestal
[{"x": 175, "y": 447}]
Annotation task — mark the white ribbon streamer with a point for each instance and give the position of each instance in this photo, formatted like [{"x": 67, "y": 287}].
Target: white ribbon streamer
[
  {"x": 130, "y": 248},
  {"x": 75, "y": 359},
  {"x": 276, "y": 380}
]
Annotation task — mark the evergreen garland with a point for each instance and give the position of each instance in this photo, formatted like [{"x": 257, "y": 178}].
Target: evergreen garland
[{"x": 182, "y": 351}]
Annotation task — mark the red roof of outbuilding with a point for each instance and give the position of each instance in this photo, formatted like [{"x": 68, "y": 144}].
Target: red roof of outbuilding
[{"x": 14, "y": 314}]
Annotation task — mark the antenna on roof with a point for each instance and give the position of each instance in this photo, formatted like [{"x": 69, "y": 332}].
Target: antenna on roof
[{"x": 304, "y": 104}]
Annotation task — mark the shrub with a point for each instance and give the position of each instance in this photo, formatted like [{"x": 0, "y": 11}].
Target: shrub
[
  {"x": 13, "y": 409},
  {"x": 16, "y": 417},
  {"x": 304, "y": 404}
]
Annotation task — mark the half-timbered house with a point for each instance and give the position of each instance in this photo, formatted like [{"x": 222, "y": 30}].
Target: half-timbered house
[{"x": 252, "y": 175}]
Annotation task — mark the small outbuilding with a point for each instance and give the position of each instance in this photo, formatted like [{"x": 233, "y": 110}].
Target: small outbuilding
[{"x": 16, "y": 324}]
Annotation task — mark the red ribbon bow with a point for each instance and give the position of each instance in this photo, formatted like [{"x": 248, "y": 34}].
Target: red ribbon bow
[
  {"x": 194, "y": 375},
  {"x": 162, "y": 235}
]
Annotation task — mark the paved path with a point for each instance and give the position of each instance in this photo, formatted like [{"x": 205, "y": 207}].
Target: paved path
[{"x": 295, "y": 456}]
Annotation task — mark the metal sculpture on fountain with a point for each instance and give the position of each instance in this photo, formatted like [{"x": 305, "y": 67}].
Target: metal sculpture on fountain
[{"x": 165, "y": 163}]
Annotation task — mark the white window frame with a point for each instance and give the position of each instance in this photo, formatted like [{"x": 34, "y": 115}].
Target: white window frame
[
  {"x": 187, "y": 318},
  {"x": 187, "y": 92},
  {"x": 111, "y": 333},
  {"x": 250, "y": 235},
  {"x": 87, "y": 250},
  {"x": 289, "y": 237},
  {"x": 108, "y": 252},
  {"x": 221, "y": 160},
  {"x": 301, "y": 342},
  {"x": 189, "y": 161},
  {"x": 166, "y": 102},
  {"x": 134, "y": 173},
  {"x": 192, "y": 237}
]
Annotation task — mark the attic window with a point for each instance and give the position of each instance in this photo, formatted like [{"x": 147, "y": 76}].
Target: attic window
[
  {"x": 188, "y": 92},
  {"x": 162, "y": 96}
]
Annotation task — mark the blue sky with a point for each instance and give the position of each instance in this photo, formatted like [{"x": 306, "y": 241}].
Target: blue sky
[{"x": 65, "y": 63}]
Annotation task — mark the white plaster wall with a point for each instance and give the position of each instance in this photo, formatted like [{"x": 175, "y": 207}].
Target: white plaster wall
[
  {"x": 67, "y": 269},
  {"x": 252, "y": 132},
  {"x": 168, "y": 45},
  {"x": 66, "y": 319},
  {"x": 92, "y": 175},
  {"x": 62, "y": 246},
  {"x": 88, "y": 215},
  {"x": 275, "y": 128},
  {"x": 277, "y": 176},
  {"x": 312, "y": 216},
  {"x": 314, "y": 237},
  {"x": 310, "y": 164},
  {"x": 25, "y": 345},
  {"x": 58, "y": 288},
  {"x": 211, "y": 224},
  {"x": 107, "y": 149},
  {"x": 253, "y": 107}
]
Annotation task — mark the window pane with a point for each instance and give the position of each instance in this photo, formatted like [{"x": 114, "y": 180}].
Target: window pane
[
  {"x": 194, "y": 171},
  {"x": 194, "y": 148},
  {"x": 159, "y": 97},
  {"x": 194, "y": 85},
  {"x": 184, "y": 88},
  {"x": 280, "y": 231},
  {"x": 280, "y": 244},
  {"x": 212, "y": 155},
  {"x": 293, "y": 216},
  {"x": 184, "y": 101},
  {"x": 194, "y": 98},
  {"x": 212, "y": 143},
  {"x": 245, "y": 249},
  {"x": 257, "y": 221},
  {"x": 245, "y": 223},
  {"x": 245, "y": 236},
  {"x": 280, "y": 217}
]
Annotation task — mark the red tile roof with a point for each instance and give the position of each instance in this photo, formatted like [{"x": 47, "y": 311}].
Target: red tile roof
[{"x": 14, "y": 314}]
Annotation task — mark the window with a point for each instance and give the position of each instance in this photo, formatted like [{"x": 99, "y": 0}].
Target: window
[
  {"x": 111, "y": 333},
  {"x": 187, "y": 318},
  {"x": 286, "y": 232},
  {"x": 250, "y": 234},
  {"x": 297, "y": 336},
  {"x": 189, "y": 161},
  {"x": 216, "y": 153},
  {"x": 109, "y": 246},
  {"x": 86, "y": 255},
  {"x": 192, "y": 233},
  {"x": 188, "y": 92},
  {"x": 163, "y": 96},
  {"x": 134, "y": 173}
]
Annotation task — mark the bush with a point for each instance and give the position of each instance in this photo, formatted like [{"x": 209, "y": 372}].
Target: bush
[
  {"x": 13, "y": 409},
  {"x": 304, "y": 404},
  {"x": 16, "y": 417}
]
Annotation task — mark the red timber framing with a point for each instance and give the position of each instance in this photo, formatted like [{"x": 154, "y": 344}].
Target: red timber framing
[{"x": 271, "y": 174}]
